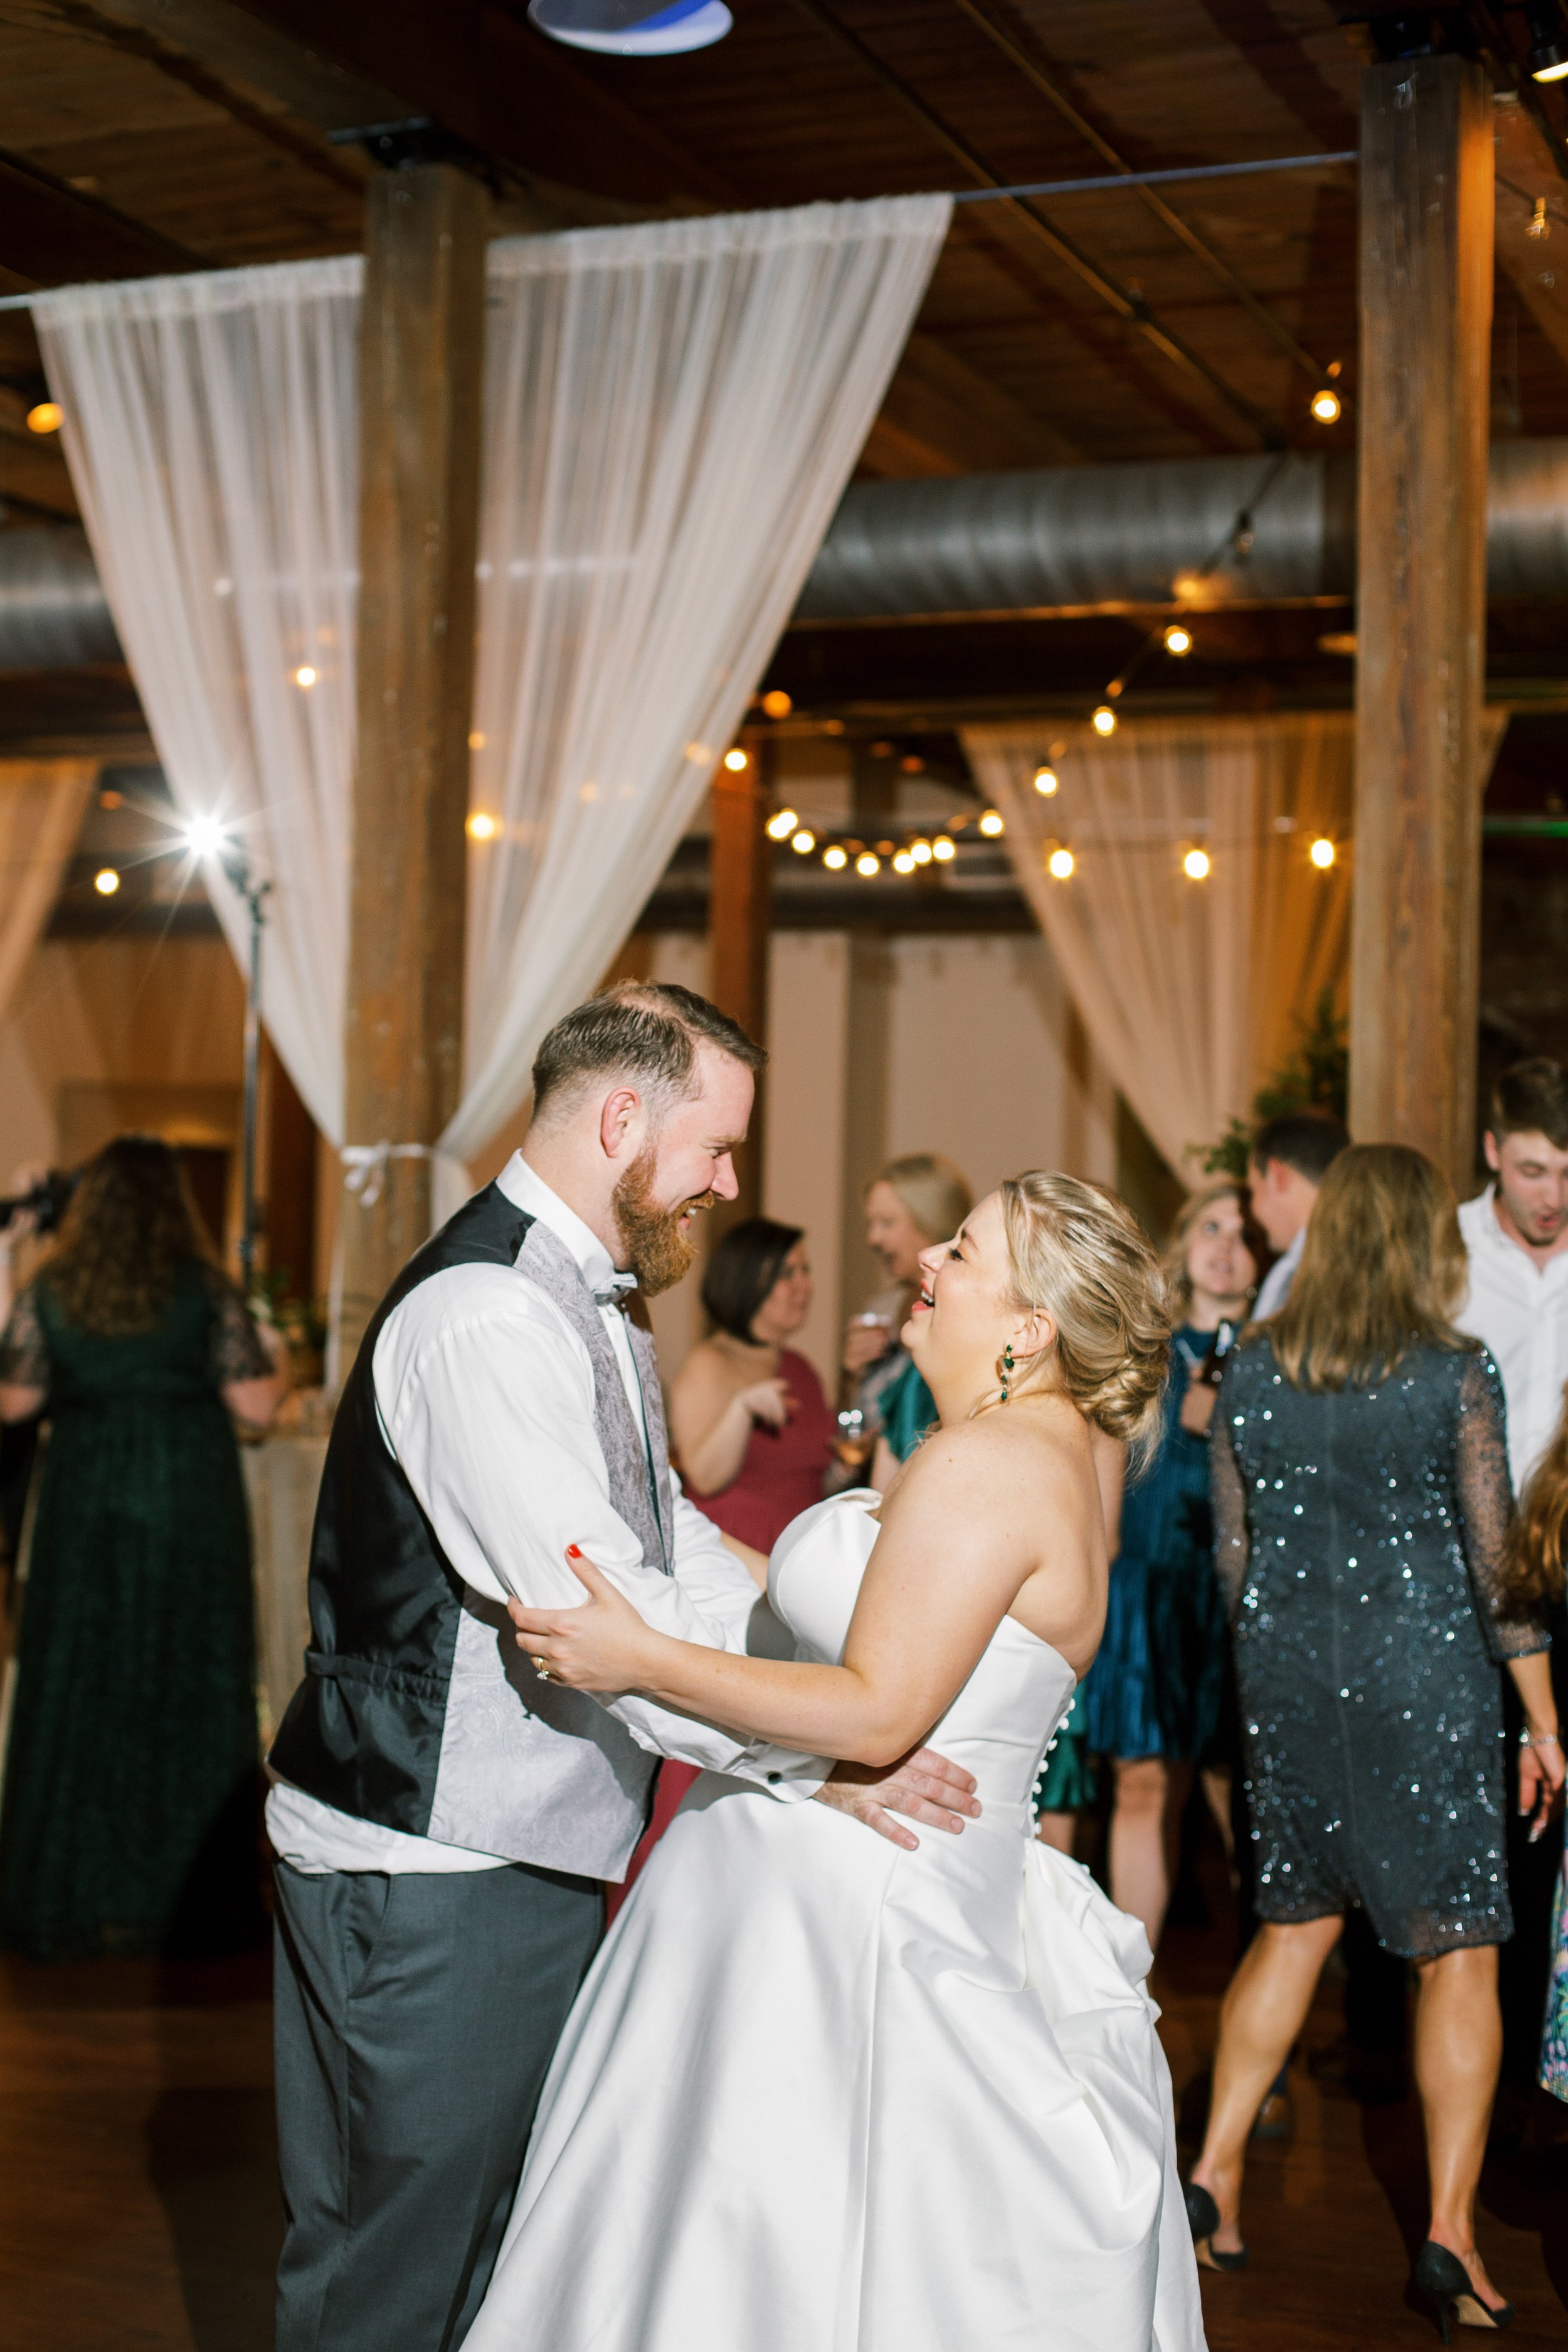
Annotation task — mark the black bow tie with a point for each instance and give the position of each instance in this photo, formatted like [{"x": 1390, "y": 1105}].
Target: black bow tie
[{"x": 615, "y": 1291}]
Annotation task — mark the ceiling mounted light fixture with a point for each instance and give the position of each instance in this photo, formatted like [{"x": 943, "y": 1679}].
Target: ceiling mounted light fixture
[
  {"x": 1326, "y": 404},
  {"x": 1548, "y": 56},
  {"x": 633, "y": 28}
]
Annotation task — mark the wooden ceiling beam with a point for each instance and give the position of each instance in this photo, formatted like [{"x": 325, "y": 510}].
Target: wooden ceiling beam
[
  {"x": 487, "y": 76},
  {"x": 941, "y": 417},
  {"x": 1535, "y": 264},
  {"x": 54, "y": 235}
]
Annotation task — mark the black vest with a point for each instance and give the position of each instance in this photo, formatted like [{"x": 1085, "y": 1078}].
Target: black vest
[{"x": 531, "y": 1771}]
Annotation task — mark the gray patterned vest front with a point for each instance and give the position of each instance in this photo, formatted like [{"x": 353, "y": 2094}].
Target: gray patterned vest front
[{"x": 418, "y": 1709}]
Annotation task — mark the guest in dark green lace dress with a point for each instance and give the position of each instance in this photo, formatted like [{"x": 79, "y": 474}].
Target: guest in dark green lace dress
[{"x": 128, "y": 1822}]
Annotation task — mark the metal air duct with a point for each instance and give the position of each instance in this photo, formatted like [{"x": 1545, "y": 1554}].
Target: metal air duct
[{"x": 52, "y": 611}]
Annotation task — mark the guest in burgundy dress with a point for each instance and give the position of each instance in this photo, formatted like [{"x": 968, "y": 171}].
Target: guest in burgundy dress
[{"x": 749, "y": 1426}]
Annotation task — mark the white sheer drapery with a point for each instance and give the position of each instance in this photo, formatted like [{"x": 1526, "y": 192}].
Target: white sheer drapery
[
  {"x": 1190, "y": 990},
  {"x": 671, "y": 414},
  {"x": 41, "y": 804},
  {"x": 212, "y": 432}
]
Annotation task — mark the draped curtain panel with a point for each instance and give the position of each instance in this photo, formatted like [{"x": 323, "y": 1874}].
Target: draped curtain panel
[
  {"x": 212, "y": 432},
  {"x": 671, "y": 414},
  {"x": 1188, "y": 988},
  {"x": 1191, "y": 991},
  {"x": 41, "y": 804}
]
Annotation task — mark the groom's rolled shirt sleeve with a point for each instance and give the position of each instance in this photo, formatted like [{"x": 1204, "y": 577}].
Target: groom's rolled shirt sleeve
[{"x": 485, "y": 1397}]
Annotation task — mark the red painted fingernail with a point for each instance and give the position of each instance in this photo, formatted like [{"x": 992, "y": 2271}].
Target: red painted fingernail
[{"x": 574, "y": 1551}]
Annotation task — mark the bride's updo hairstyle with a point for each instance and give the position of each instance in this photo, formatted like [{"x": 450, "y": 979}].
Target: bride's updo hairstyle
[{"x": 1080, "y": 1256}]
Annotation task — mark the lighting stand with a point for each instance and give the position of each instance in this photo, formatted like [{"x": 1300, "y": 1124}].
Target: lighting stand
[{"x": 237, "y": 873}]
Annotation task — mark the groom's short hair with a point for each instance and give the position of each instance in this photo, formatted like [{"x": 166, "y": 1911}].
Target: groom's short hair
[{"x": 646, "y": 1031}]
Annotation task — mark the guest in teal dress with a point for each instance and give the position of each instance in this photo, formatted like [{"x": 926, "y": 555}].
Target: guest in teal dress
[
  {"x": 1152, "y": 1699},
  {"x": 131, "y": 1821}
]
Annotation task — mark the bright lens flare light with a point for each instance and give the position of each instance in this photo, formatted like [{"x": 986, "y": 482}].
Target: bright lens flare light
[
  {"x": 1326, "y": 404},
  {"x": 735, "y": 760},
  {"x": 782, "y": 823},
  {"x": 943, "y": 849},
  {"x": 1321, "y": 853},
  {"x": 903, "y": 863},
  {"x": 777, "y": 704},
  {"x": 305, "y": 676},
  {"x": 106, "y": 882},
  {"x": 867, "y": 863},
  {"x": 206, "y": 836},
  {"x": 1060, "y": 865},
  {"x": 921, "y": 851},
  {"x": 47, "y": 417},
  {"x": 1177, "y": 639},
  {"x": 1195, "y": 865},
  {"x": 1104, "y": 720},
  {"x": 1045, "y": 781},
  {"x": 991, "y": 823},
  {"x": 482, "y": 826},
  {"x": 804, "y": 841},
  {"x": 836, "y": 859}
]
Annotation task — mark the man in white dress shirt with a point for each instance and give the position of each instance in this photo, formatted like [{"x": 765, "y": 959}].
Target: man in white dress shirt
[
  {"x": 1516, "y": 1236},
  {"x": 1290, "y": 1157},
  {"x": 443, "y": 1818}
]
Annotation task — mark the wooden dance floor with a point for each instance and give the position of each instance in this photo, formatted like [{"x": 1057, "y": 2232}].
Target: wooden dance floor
[{"x": 139, "y": 2204}]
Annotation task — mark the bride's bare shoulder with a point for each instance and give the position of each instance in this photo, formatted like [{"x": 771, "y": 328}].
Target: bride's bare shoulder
[{"x": 996, "y": 1453}]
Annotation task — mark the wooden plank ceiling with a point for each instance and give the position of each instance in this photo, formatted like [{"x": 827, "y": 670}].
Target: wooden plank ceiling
[{"x": 138, "y": 135}]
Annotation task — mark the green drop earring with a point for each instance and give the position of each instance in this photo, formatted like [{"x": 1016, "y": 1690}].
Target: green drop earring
[{"x": 1007, "y": 1370}]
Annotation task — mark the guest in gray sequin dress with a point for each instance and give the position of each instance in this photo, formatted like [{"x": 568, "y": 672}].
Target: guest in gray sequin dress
[{"x": 1362, "y": 1503}]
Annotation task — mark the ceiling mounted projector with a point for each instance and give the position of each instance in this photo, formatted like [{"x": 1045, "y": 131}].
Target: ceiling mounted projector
[{"x": 633, "y": 28}]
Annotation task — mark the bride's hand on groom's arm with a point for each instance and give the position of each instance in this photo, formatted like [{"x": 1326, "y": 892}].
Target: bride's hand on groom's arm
[
  {"x": 924, "y": 1786},
  {"x": 604, "y": 1645}
]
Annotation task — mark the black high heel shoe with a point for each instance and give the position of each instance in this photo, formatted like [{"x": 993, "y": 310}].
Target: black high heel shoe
[
  {"x": 1443, "y": 2279},
  {"x": 1203, "y": 2220}
]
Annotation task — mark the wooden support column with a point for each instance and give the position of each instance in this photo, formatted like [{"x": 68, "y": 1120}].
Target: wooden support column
[
  {"x": 739, "y": 919},
  {"x": 1426, "y": 322},
  {"x": 421, "y": 361}
]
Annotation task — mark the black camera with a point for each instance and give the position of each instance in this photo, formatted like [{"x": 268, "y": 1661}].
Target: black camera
[{"x": 48, "y": 1200}]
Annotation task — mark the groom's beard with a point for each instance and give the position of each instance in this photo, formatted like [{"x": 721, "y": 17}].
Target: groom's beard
[{"x": 657, "y": 1252}]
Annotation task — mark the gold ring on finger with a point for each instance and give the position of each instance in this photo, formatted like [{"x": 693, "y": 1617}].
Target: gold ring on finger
[{"x": 542, "y": 1670}]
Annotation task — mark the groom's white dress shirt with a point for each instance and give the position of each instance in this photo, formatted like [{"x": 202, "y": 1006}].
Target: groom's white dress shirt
[{"x": 485, "y": 1394}]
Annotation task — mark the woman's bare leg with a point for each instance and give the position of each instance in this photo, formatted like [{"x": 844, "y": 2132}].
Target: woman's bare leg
[
  {"x": 1458, "y": 2048},
  {"x": 1265, "y": 2009},
  {"x": 1145, "y": 1828},
  {"x": 1057, "y": 1830},
  {"x": 1217, "y": 1796}
]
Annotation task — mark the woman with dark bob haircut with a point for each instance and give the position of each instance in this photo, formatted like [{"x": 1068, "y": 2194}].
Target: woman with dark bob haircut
[{"x": 750, "y": 1425}]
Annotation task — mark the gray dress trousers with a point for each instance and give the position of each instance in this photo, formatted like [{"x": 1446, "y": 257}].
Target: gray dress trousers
[{"x": 416, "y": 2017}]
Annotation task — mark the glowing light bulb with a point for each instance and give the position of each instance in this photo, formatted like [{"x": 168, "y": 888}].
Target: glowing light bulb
[
  {"x": 921, "y": 851},
  {"x": 1177, "y": 639},
  {"x": 47, "y": 417},
  {"x": 1045, "y": 781},
  {"x": 476, "y": 741},
  {"x": 835, "y": 859},
  {"x": 1326, "y": 404},
  {"x": 902, "y": 862},
  {"x": 945, "y": 849},
  {"x": 777, "y": 704},
  {"x": 305, "y": 676},
  {"x": 1060, "y": 865},
  {"x": 106, "y": 882},
  {"x": 482, "y": 826},
  {"x": 782, "y": 823},
  {"x": 867, "y": 863},
  {"x": 1195, "y": 865},
  {"x": 1104, "y": 720},
  {"x": 1321, "y": 853},
  {"x": 804, "y": 842},
  {"x": 991, "y": 823},
  {"x": 735, "y": 760}
]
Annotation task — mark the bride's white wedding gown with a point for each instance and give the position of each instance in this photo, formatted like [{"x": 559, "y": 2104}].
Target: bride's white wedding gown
[{"x": 821, "y": 2095}]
